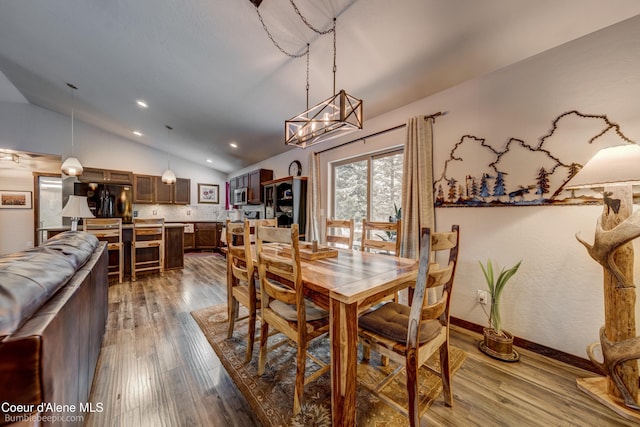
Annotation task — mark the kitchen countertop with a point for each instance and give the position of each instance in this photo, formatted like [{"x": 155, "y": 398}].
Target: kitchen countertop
[{"x": 124, "y": 226}]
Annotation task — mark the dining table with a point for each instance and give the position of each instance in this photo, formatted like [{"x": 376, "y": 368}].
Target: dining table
[{"x": 347, "y": 284}]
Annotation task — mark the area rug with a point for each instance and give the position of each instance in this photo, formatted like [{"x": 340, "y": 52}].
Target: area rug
[{"x": 271, "y": 395}]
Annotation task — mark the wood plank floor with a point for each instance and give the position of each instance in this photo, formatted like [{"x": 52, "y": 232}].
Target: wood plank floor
[{"x": 157, "y": 369}]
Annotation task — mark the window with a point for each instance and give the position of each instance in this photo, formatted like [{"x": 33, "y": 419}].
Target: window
[{"x": 368, "y": 187}]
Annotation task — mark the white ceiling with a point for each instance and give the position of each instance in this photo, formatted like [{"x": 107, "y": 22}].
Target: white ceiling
[{"x": 208, "y": 69}]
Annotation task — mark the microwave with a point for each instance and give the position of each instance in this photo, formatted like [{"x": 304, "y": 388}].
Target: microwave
[{"x": 240, "y": 196}]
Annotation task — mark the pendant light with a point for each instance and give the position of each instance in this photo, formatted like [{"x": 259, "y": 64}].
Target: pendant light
[
  {"x": 168, "y": 177},
  {"x": 71, "y": 166},
  {"x": 335, "y": 116}
]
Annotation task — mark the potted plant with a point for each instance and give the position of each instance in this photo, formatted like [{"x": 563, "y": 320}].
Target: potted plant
[{"x": 497, "y": 342}]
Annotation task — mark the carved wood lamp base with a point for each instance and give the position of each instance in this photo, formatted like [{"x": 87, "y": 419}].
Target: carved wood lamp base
[{"x": 596, "y": 387}]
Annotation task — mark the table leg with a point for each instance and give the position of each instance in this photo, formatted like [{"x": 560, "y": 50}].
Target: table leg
[{"x": 344, "y": 359}]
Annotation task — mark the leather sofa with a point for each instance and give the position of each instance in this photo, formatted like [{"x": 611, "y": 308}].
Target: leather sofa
[{"x": 53, "y": 313}]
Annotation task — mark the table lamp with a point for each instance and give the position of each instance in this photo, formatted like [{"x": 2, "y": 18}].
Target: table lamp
[
  {"x": 75, "y": 209},
  {"x": 615, "y": 170}
]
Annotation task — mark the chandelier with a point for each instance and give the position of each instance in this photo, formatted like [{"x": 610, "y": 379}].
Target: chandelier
[{"x": 335, "y": 116}]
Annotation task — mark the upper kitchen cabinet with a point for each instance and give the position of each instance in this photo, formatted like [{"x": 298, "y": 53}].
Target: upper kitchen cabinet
[
  {"x": 144, "y": 189},
  {"x": 106, "y": 176},
  {"x": 151, "y": 189},
  {"x": 178, "y": 193},
  {"x": 255, "y": 187},
  {"x": 252, "y": 181}
]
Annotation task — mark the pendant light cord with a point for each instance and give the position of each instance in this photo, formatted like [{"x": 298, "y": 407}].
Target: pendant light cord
[
  {"x": 73, "y": 88},
  {"x": 169, "y": 129}
]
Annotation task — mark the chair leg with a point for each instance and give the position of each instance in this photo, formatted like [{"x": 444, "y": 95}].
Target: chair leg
[
  {"x": 366, "y": 352},
  {"x": 299, "y": 389},
  {"x": 412, "y": 389},
  {"x": 251, "y": 333},
  {"x": 232, "y": 314},
  {"x": 264, "y": 336},
  {"x": 445, "y": 370}
]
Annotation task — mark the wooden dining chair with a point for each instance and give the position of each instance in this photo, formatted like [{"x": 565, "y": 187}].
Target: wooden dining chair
[
  {"x": 339, "y": 232},
  {"x": 110, "y": 231},
  {"x": 241, "y": 283},
  {"x": 147, "y": 246},
  {"x": 410, "y": 335},
  {"x": 382, "y": 237},
  {"x": 283, "y": 305}
]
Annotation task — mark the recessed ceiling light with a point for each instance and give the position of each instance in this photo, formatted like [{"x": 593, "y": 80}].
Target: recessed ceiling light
[
  {"x": 136, "y": 132},
  {"x": 233, "y": 144},
  {"x": 209, "y": 161},
  {"x": 142, "y": 103}
]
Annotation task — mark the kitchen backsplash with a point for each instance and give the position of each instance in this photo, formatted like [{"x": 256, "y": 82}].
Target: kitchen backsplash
[{"x": 173, "y": 213}]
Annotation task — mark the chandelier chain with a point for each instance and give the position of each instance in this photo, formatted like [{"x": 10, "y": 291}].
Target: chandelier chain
[
  {"x": 311, "y": 27},
  {"x": 335, "y": 68},
  {"x": 275, "y": 43}
]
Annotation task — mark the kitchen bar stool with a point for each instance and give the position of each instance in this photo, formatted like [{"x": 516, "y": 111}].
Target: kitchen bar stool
[
  {"x": 147, "y": 246},
  {"x": 108, "y": 230}
]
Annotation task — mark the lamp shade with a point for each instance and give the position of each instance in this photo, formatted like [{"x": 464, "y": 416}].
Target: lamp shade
[
  {"x": 75, "y": 209},
  {"x": 72, "y": 167},
  {"x": 617, "y": 165},
  {"x": 168, "y": 177}
]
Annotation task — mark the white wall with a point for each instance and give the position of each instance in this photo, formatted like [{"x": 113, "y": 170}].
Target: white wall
[
  {"x": 16, "y": 225},
  {"x": 556, "y": 299}
]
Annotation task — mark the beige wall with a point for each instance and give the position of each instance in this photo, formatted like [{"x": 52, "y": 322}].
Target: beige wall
[{"x": 556, "y": 298}]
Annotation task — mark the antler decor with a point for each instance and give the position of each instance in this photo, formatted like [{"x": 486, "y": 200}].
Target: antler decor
[
  {"x": 616, "y": 353},
  {"x": 608, "y": 241}
]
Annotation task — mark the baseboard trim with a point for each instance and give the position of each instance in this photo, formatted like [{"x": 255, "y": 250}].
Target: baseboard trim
[{"x": 561, "y": 356}]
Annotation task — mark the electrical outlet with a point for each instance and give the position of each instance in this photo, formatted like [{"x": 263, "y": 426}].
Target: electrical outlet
[
  {"x": 188, "y": 212},
  {"x": 482, "y": 297},
  {"x": 155, "y": 212}
]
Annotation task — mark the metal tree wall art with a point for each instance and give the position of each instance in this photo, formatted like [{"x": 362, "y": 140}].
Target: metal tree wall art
[{"x": 477, "y": 174}]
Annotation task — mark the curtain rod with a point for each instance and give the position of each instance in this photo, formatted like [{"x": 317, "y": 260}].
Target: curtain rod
[{"x": 362, "y": 138}]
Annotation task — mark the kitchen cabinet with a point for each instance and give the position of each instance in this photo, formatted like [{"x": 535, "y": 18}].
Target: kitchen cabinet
[
  {"x": 144, "y": 189},
  {"x": 253, "y": 182},
  {"x": 178, "y": 193},
  {"x": 173, "y": 248},
  {"x": 286, "y": 200},
  {"x": 256, "y": 189},
  {"x": 189, "y": 241},
  {"x": 151, "y": 189},
  {"x": 106, "y": 176},
  {"x": 207, "y": 235}
]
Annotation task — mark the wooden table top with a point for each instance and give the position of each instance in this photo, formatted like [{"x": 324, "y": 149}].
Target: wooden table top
[{"x": 354, "y": 275}]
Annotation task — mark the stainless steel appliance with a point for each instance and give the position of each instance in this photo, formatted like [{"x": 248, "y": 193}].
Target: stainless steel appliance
[
  {"x": 240, "y": 196},
  {"x": 107, "y": 200}
]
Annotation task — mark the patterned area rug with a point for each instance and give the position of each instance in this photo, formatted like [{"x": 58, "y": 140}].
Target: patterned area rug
[{"x": 271, "y": 395}]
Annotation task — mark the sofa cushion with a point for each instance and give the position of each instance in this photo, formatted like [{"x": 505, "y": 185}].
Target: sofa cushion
[{"x": 28, "y": 279}]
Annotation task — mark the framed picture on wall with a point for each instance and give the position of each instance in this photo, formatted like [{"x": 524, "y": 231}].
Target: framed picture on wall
[
  {"x": 15, "y": 199},
  {"x": 208, "y": 193}
]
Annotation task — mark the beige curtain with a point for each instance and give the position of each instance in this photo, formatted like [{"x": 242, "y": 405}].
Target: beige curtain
[
  {"x": 313, "y": 198},
  {"x": 417, "y": 184}
]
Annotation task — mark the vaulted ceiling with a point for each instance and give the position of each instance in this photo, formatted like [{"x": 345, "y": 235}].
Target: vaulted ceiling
[{"x": 208, "y": 68}]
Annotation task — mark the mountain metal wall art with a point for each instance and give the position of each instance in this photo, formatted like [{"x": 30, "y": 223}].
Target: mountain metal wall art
[{"x": 477, "y": 174}]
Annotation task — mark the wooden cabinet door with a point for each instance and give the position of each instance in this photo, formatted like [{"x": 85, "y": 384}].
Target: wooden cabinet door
[
  {"x": 174, "y": 247},
  {"x": 182, "y": 191},
  {"x": 206, "y": 235},
  {"x": 164, "y": 192},
  {"x": 256, "y": 178},
  {"x": 119, "y": 177},
  {"x": 144, "y": 189},
  {"x": 189, "y": 241},
  {"x": 92, "y": 175}
]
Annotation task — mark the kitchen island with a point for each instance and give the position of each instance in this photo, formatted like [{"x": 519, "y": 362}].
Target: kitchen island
[{"x": 173, "y": 248}]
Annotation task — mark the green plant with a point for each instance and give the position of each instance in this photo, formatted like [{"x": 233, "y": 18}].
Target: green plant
[{"x": 496, "y": 285}]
